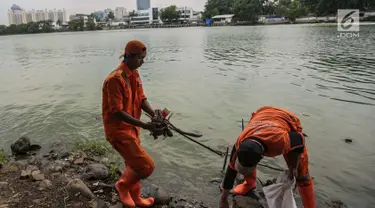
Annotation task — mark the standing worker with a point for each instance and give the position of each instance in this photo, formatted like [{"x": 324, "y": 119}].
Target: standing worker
[
  {"x": 123, "y": 100},
  {"x": 271, "y": 132}
]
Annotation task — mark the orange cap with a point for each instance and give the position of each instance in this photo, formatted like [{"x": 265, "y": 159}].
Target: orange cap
[{"x": 134, "y": 47}]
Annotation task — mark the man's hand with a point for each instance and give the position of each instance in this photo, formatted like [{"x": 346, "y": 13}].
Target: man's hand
[
  {"x": 156, "y": 128},
  {"x": 224, "y": 199}
]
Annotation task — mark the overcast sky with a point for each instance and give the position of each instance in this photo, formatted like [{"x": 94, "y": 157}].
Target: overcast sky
[{"x": 88, "y": 6}]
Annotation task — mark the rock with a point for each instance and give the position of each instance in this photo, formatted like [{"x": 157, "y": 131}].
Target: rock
[
  {"x": 37, "y": 201},
  {"x": 21, "y": 146},
  {"x": 11, "y": 167},
  {"x": 78, "y": 161},
  {"x": 97, "y": 203},
  {"x": 55, "y": 169},
  {"x": 37, "y": 176},
  {"x": 245, "y": 202},
  {"x": 77, "y": 186},
  {"x": 118, "y": 205},
  {"x": 3, "y": 186},
  {"x": 34, "y": 161},
  {"x": 64, "y": 155},
  {"x": 55, "y": 175},
  {"x": 96, "y": 172},
  {"x": 159, "y": 194},
  {"x": 25, "y": 174},
  {"x": 63, "y": 164},
  {"x": 348, "y": 140},
  {"x": 4, "y": 206},
  {"x": 35, "y": 147},
  {"x": 45, "y": 184},
  {"x": 335, "y": 204},
  {"x": 32, "y": 168}
]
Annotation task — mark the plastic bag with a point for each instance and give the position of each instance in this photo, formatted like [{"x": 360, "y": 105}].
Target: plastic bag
[{"x": 280, "y": 195}]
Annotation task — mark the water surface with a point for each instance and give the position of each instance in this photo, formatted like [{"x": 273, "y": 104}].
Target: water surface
[{"x": 50, "y": 89}]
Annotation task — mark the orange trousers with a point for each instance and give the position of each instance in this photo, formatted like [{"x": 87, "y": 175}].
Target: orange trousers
[
  {"x": 134, "y": 155},
  {"x": 304, "y": 181}
]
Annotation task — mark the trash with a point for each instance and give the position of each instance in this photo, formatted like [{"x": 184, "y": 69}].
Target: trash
[{"x": 280, "y": 195}]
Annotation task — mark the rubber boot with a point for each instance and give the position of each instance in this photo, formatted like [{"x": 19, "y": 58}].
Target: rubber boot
[
  {"x": 249, "y": 184},
  {"x": 135, "y": 193},
  {"x": 306, "y": 191},
  {"x": 124, "y": 185}
]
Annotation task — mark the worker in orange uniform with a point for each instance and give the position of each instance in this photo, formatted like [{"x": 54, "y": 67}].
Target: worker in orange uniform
[
  {"x": 123, "y": 100},
  {"x": 271, "y": 132}
]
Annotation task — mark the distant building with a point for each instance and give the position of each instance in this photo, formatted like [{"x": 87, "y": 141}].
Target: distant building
[
  {"x": 225, "y": 18},
  {"x": 120, "y": 12},
  {"x": 143, "y": 5},
  {"x": 16, "y": 15},
  {"x": 84, "y": 17},
  {"x": 149, "y": 16},
  {"x": 99, "y": 15}
]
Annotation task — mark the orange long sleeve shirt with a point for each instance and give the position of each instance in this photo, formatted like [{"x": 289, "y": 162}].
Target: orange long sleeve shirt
[{"x": 122, "y": 90}]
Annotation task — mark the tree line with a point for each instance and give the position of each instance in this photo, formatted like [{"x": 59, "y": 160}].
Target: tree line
[{"x": 250, "y": 10}]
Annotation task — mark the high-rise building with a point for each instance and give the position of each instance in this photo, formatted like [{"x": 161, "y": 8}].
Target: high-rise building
[
  {"x": 17, "y": 15},
  {"x": 143, "y": 4},
  {"x": 120, "y": 12}
]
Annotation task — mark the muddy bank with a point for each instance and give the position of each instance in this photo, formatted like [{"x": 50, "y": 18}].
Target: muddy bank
[{"x": 83, "y": 176}]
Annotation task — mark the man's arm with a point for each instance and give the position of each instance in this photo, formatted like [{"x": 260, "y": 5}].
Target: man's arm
[
  {"x": 293, "y": 161},
  {"x": 297, "y": 144},
  {"x": 230, "y": 177},
  {"x": 124, "y": 116},
  {"x": 147, "y": 108}
]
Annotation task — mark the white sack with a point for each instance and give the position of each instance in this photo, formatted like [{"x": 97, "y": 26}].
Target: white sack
[{"x": 280, "y": 194}]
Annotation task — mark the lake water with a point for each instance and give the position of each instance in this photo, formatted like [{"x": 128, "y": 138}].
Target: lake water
[{"x": 50, "y": 89}]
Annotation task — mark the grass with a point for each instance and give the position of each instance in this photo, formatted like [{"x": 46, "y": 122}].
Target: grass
[
  {"x": 112, "y": 168},
  {"x": 97, "y": 147},
  {"x": 3, "y": 157}
]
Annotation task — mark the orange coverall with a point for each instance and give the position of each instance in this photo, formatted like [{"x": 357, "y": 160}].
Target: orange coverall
[
  {"x": 123, "y": 90},
  {"x": 271, "y": 125}
]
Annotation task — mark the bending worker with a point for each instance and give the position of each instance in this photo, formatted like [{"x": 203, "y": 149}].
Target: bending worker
[
  {"x": 271, "y": 132},
  {"x": 123, "y": 100}
]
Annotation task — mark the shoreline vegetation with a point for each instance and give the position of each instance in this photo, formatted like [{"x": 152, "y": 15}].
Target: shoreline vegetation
[
  {"x": 246, "y": 12},
  {"x": 24, "y": 29}
]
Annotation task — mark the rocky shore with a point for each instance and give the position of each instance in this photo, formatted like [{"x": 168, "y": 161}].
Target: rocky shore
[{"x": 82, "y": 177}]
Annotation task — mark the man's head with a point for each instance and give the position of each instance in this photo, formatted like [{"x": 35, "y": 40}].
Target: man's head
[
  {"x": 135, "y": 52},
  {"x": 249, "y": 153}
]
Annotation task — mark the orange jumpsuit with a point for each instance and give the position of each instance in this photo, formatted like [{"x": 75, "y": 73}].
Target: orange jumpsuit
[
  {"x": 271, "y": 126},
  {"x": 123, "y": 90}
]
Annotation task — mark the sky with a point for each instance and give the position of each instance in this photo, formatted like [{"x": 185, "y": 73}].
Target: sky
[{"x": 88, "y": 6}]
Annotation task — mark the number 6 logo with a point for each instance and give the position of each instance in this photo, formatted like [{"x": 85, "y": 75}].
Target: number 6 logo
[{"x": 348, "y": 20}]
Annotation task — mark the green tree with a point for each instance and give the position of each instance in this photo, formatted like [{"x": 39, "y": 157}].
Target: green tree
[
  {"x": 169, "y": 14},
  {"x": 217, "y": 7},
  {"x": 59, "y": 22},
  {"x": 132, "y": 14},
  {"x": 111, "y": 16},
  {"x": 90, "y": 25},
  {"x": 247, "y": 10},
  {"x": 3, "y": 30},
  {"x": 296, "y": 10},
  {"x": 76, "y": 25}
]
